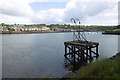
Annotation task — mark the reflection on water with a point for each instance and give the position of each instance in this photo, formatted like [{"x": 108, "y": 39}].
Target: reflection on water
[
  {"x": 42, "y": 55},
  {"x": 72, "y": 66}
]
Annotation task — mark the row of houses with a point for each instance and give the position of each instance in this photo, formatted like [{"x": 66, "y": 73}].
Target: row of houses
[
  {"x": 61, "y": 29},
  {"x": 20, "y": 28},
  {"x": 17, "y": 29}
]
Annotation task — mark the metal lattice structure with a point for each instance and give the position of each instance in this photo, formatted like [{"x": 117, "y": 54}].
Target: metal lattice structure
[{"x": 78, "y": 33}]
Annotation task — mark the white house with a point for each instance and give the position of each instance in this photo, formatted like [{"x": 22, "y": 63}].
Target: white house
[{"x": 45, "y": 28}]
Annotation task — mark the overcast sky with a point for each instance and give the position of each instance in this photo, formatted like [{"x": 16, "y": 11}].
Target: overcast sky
[{"x": 103, "y": 12}]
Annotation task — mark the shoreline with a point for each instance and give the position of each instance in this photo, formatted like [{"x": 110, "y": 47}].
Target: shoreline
[{"x": 34, "y": 32}]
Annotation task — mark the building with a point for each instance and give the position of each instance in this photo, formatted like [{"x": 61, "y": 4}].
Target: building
[{"x": 44, "y": 28}]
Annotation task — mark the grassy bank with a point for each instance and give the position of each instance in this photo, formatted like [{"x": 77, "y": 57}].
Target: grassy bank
[
  {"x": 108, "y": 68},
  {"x": 114, "y": 31}
]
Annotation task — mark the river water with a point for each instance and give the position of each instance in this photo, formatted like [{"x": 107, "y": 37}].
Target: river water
[{"x": 42, "y": 55}]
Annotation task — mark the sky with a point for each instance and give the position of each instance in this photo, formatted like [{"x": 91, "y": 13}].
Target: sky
[{"x": 89, "y": 12}]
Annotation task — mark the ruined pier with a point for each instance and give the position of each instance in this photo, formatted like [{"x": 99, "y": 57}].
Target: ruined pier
[{"x": 79, "y": 51}]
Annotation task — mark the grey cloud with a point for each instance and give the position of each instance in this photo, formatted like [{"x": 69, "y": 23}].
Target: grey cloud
[
  {"x": 86, "y": 9},
  {"x": 11, "y": 12},
  {"x": 96, "y": 8}
]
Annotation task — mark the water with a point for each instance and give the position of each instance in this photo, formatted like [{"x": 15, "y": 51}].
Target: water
[{"x": 41, "y": 55}]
